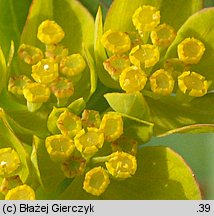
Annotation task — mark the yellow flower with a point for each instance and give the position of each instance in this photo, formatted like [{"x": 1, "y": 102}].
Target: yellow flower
[
  {"x": 49, "y": 32},
  {"x": 9, "y": 161},
  {"x": 112, "y": 126},
  {"x": 132, "y": 79},
  {"x": 45, "y": 71},
  {"x": 96, "y": 181},
  {"x": 91, "y": 118},
  {"x": 36, "y": 93},
  {"x": 191, "y": 50},
  {"x": 193, "y": 84},
  {"x": 29, "y": 54},
  {"x": 89, "y": 142},
  {"x": 69, "y": 123},
  {"x": 163, "y": 35},
  {"x": 72, "y": 65},
  {"x": 116, "y": 41},
  {"x": 144, "y": 55},
  {"x": 146, "y": 18},
  {"x": 17, "y": 83},
  {"x": 59, "y": 147},
  {"x": 115, "y": 65},
  {"x": 121, "y": 165},
  {"x": 162, "y": 82},
  {"x": 22, "y": 192}
]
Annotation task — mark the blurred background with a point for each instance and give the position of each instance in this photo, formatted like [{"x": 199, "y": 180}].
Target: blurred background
[{"x": 196, "y": 149}]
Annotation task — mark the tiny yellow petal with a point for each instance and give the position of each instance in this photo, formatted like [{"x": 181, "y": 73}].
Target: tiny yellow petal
[
  {"x": 91, "y": 118},
  {"x": 96, "y": 181},
  {"x": 132, "y": 79},
  {"x": 116, "y": 41},
  {"x": 191, "y": 50}
]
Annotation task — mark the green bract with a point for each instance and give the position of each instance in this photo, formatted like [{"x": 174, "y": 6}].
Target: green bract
[{"x": 78, "y": 99}]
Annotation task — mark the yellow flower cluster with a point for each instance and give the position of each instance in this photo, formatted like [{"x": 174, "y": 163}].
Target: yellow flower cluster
[
  {"x": 11, "y": 185},
  {"x": 54, "y": 71},
  {"x": 76, "y": 142},
  {"x": 132, "y": 59}
]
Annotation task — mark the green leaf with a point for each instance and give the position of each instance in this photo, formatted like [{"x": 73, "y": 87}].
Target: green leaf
[
  {"x": 100, "y": 54},
  {"x": 174, "y": 13},
  {"x": 8, "y": 139},
  {"x": 132, "y": 104},
  {"x": 170, "y": 114},
  {"x": 200, "y": 26},
  {"x": 77, "y": 106},
  {"x": 49, "y": 173},
  {"x": 12, "y": 19},
  {"x": 162, "y": 174},
  {"x": 2, "y": 71}
]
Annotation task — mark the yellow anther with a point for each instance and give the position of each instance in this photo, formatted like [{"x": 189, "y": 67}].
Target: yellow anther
[
  {"x": 96, "y": 181},
  {"x": 144, "y": 55},
  {"x": 17, "y": 83},
  {"x": 89, "y": 142},
  {"x": 56, "y": 52},
  {"x": 125, "y": 144},
  {"x": 163, "y": 35},
  {"x": 121, "y": 165},
  {"x": 69, "y": 124},
  {"x": 72, "y": 65},
  {"x": 115, "y": 65},
  {"x": 191, "y": 50},
  {"x": 162, "y": 82},
  {"x": 116, "y": 41},
  {"x": 132, "y": 79},
  {"x": 45, "y": 71},
  {"x": 91, "y": 118},
  {"x": 62, "y": 88},
  {"x": 9, "y": 161},
  {"x": 75, "y": 166},
  {"x": 49, "y": 32},
  {"x": 30, "y": 54},
  {"x": 193, "y": 84},
  {"x": 146, "y": 18},
  {"x": 22, "y": 192},
  {"x": 36, "y": 93},
  {"x": 112, "y": 126},
  {"x": 59, "y": 147}
]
